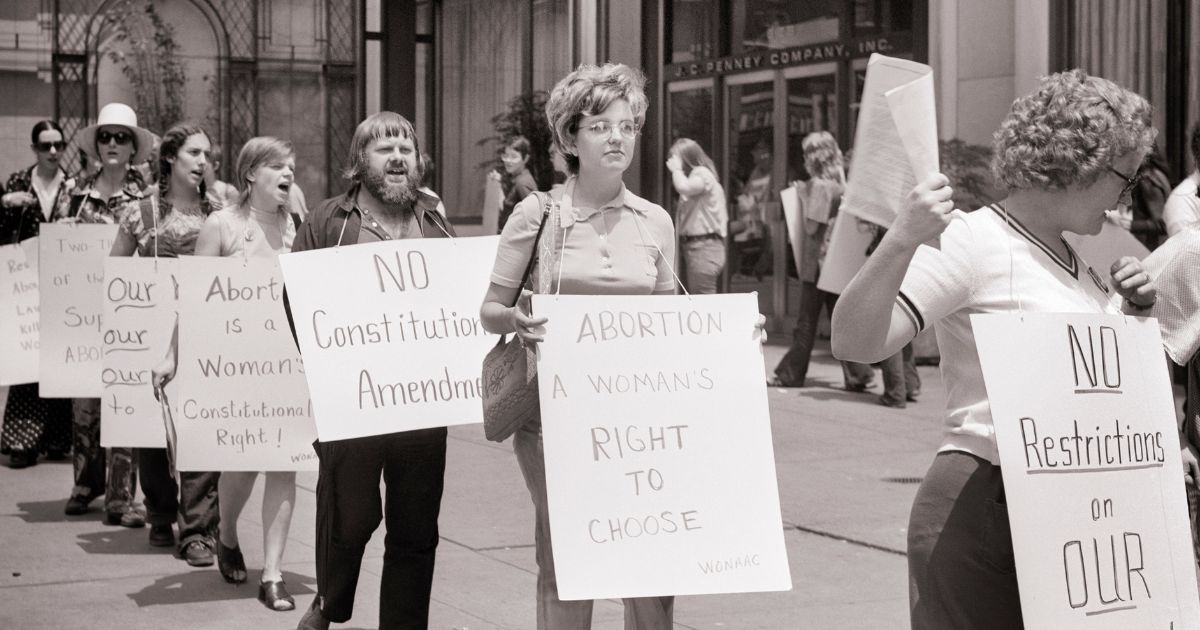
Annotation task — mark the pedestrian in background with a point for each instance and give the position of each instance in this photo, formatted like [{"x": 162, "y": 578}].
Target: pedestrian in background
[
  {"x": 1066, "y": 154},
  {"x": 1183, "y": 205},
  {"x": 166, "y": 225},
  {"x": 818, "y": 198},
  {"x": 601, "y": 239},
  {"x": 116, "y": 142},
  {"x": 32, "y": 424},
  {"x": 703, "y": 218},
  {"x": 383, "y": 203},
  {"x": 517, "y": 182}
]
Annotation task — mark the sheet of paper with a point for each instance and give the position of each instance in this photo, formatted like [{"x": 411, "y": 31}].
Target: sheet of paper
[
  {"x": 1173, "y": 268},
  {"x": 492, "y": 197},
  {"x": 895, "y": 143},
  {"x": 795, "y": 221}
]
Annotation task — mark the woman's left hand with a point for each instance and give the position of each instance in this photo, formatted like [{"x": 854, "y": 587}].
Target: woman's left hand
[
  {"x": 674, "y": 163},
  {"x": 760, "y": 329},
  {"x": 1132, "y": 282}
]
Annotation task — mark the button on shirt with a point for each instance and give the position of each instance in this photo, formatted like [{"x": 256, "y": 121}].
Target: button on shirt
[{"x": 624, "y": 247}]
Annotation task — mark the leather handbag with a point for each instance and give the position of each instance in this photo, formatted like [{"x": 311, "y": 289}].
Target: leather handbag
[{"x": 510, "y": 392}]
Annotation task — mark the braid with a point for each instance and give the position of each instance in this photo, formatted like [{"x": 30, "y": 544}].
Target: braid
[{"x": 172, "y": 141}]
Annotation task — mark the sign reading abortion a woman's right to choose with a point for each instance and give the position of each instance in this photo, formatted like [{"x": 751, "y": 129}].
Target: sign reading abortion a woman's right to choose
[
  {"x": 659, "y": 462},
  {"x": 1089, "y": 450}
]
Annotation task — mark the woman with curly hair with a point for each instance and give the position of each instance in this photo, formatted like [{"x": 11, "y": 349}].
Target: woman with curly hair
[
  {"x": 33, "y": 424},
  {"x": 1066, "y": 154},
  {"x": 166, "y": 225}
]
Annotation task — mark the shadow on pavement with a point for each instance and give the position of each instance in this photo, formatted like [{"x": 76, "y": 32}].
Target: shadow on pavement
[
  {"x": 120, "y": 540},
  {"x": 206, "y": 585},
  {"x": 822, "y": 392},
  {"x": 50, "y": 512}
]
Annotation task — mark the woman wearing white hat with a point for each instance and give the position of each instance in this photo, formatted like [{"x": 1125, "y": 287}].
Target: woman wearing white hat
[{"x": 116, "y": 143}]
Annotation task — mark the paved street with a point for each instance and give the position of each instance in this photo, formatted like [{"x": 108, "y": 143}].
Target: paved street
[{"x": 847, "y": 469}]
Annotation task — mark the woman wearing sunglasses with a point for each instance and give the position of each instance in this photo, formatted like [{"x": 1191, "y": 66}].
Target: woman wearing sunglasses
[
  {"x": 115, "y": 142},
  {"x": 32, "y": 424}
]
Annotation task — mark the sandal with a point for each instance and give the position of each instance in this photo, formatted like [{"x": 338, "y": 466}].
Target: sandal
[
  {"x": 231, "y": 564},
  {"x": 274, "y": 595}
]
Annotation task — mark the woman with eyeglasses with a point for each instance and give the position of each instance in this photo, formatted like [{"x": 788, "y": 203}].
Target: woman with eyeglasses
[
  {"x": 115, "y": 142},
  {"x": 167, "y": 225},
  {"x": 601, "y": 239},
  {"x": 1066, "y": 154},
  {"x": 35, "y": 425}
]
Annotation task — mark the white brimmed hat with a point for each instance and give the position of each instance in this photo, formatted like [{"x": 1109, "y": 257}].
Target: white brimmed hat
[{"x": 122, "y": 115}]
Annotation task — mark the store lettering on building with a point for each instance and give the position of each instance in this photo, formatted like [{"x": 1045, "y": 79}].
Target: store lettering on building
[{"x": 766, "y": 59}]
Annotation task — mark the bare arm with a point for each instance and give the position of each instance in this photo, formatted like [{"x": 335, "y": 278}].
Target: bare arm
[
  {"x": 208, "y": 243},
  {"x": 688, "y": 185},
  {"x": 500, "y": 318},
  {"x": 868, "y": 326}
]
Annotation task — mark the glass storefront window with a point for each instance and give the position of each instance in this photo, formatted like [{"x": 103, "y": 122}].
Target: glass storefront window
[
  {"x": 812, "y": 106},
  {"x": 766, "y": 24},
  {"x": 689, "y": 115},
  {"x": 694, "y": 28},
  {"x": 872, "y": 17},
  {"x": 750, "y": 150}
]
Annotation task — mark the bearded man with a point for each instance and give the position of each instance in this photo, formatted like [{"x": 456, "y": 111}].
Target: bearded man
[{"x": 382, "y": 204}]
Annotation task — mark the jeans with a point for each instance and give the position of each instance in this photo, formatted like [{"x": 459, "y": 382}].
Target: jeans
[
  {"x": 792, "y": 369},
  {"x": 192, "y": 502},
  {"x": 641, "y": 613},
  {"x": 349, "y": 510},
  {"x": 961, "y": 572},
  {"x": 705, "y": 260},
  {"x": 900, "y": 378}
]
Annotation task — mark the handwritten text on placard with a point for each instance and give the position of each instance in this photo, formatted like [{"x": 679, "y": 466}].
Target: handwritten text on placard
[{"x": 19, "y": 321}]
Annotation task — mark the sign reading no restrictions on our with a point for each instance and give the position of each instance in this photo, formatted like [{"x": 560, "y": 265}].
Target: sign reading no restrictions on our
[
  {"x": 242, "y": 401},
  {"x": 19, "y": 312},
  {"x": 659, "y": 465},
  {"x": 390, "y": 332},
  {"x": 1089, "y": 451}
]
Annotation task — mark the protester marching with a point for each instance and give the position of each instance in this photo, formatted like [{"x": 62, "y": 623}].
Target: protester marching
[{"x": 197, "y": 333}]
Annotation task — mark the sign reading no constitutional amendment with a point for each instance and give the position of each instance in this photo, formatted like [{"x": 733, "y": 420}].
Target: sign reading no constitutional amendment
[
  {"x": 1090, "y": 455},
  {"x": 390, "y": 332},
  {"x": 659, "y": 465}
]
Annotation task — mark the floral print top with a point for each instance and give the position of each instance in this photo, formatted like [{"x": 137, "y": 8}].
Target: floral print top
[
  {"x": 172, "y": 233},
  {"x": 87, "y": 206},
  {"x": 21, "y": 222}
]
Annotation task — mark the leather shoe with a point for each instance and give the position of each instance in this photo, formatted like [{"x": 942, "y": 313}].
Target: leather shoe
[
  {"x": 162, "y": 536},
  {"x": 129, "y": 518},
  {"x": 197, "y": 554},
  {"x": 313, "y": 619},
  {"x": 22, "y": 459},
  {"x": 77, "y": 504},
  {"x": 274, "y": 595}
]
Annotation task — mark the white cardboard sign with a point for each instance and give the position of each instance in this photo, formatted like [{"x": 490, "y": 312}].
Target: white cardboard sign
[
  {"x": 139, "y": 315},
  {"x": 243, "y": 403},
  {"x": 390, "y": 332},
  {"x": 71, "y": 284},
  {"x": 1090, "y": 456},
  {"x": 659, "y": 465},
  {"x": 19, "y": 313}
]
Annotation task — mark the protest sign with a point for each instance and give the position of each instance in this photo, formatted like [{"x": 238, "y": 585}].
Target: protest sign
[
  {"x": 895, "y": 141},
  {"x": 659, "y": 466},
  {"x": 493, "y": 199},
  {"x": 71, "y": 286},
  {"x": 1093, "y": 479},
  {"x": 243, "y": 403},
  {"x": 19, "y": 313},
  {"x": 847, "y": 252},
  {"x": 139, "y": 315},
  {"x": 390, "y": 332}
]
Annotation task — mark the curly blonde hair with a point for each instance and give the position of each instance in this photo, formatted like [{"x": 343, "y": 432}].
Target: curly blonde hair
[
  {"x": 588, "y": 91},
  {"x": 1068, "y": 132},
  {"x": 823, "y": 157}
]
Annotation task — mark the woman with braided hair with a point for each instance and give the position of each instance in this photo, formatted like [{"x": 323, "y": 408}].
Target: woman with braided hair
[{"x": 166, "y": 225}]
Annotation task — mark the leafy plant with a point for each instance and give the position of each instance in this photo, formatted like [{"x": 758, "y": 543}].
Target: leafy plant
[
  {"x": 151, "y": 63},
  {"x": 525, "y": 116},
  {"x": 968, "y": 166}
]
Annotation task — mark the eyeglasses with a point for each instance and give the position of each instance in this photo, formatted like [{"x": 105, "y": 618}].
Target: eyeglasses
[
  {"x": 120, "y": 137},
  {"x": 45, "y": 147},
  {"x": 604, "y": 129},
  {"x": 1131, "y": 182}
]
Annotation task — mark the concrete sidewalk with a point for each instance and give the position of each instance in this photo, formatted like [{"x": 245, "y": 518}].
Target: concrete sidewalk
[{"x": 847, "y": 470}]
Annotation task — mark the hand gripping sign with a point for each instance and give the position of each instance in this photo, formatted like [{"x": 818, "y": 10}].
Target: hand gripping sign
[
  {"x": 1089, "y": 451},
  {"x": 659, "y": 465}
]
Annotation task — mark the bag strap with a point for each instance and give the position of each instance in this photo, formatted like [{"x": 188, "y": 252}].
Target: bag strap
[
  {"x": 545, "y": 203},
  {"x": 147, "y": 208}
]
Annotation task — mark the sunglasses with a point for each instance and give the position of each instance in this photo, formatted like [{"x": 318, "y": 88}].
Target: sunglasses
[
  {"x": 120, "y": 137},
  {"x": 1131, "y": 182},
  {"x": 46, "y": 146}
]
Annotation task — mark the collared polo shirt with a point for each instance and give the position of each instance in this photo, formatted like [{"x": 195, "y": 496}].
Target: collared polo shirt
[
  {"x": 988, "y": 263},
  {"x": 624, "y": 247}
]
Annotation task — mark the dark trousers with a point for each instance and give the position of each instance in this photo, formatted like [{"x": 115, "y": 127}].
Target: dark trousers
[
  {"x": 961, "y": 572},
  {"x": 792, "y": 369},
  {"x": 192, "y": 502},
  {"x": 900, "y": 376},
  {"x": 349, "y": 510}
]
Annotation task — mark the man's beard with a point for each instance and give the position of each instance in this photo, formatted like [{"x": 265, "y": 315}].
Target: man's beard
[{"x": 404, "y": 194}]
